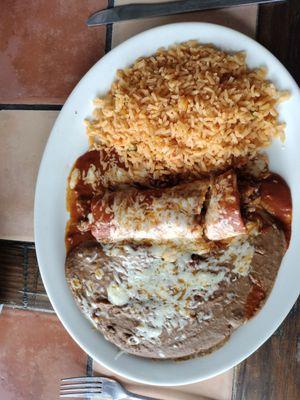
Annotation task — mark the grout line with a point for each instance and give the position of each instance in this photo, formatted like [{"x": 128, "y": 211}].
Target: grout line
[
  {"x": 37, "y": 309},
  {"x": 34, "y": 294},
  {"x": 89, "y": 366},
  {"x": 256, "y": 23},
  {"x": 109, "y": 30},
  {"x": 25, "y": 276},
  {"x": 234, "y": 384},
  {"x": 8, "y": 242},
  {"x": 34, "y": 107},
  {"x": 108, "y": 40}
]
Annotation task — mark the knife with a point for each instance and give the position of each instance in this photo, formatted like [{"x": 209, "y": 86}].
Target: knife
[{"x": 149, "y": 10}]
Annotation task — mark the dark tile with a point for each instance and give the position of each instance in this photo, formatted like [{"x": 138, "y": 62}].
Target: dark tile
[
  {"x": 20, "y": 280},
  {"x": 11, "y": 273},
  {"x": 35, "y": 353},
  {"x": 46, "y": 47},
  {"x": 36, "y": 294}
]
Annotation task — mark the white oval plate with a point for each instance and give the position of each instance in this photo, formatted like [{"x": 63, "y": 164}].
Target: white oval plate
[{"x": 68, "y": 140}]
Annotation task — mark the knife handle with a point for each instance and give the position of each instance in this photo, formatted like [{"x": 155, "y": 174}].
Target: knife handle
[
  {"x": 133, "y": 11},
  {"x": 149, "y": 10}
]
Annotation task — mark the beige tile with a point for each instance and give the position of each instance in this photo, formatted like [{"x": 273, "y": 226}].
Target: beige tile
[
  {"x": 23, "y": 135},
  {"x": 35, "y": 353},
  {"x": 218, "y": 388},
  {"x": 242, "y": 19}
]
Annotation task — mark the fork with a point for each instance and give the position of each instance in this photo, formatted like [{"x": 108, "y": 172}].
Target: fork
[{"x": 96, "y": 387}]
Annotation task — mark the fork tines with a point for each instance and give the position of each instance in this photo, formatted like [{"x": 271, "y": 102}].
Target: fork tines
[{"x": 81, "y": 387}]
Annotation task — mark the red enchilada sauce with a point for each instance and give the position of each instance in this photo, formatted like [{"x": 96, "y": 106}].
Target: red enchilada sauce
[
  {"x": 91, "y": 167},
  {"x": 254, "y": 299},
  {"x": 276, "y": 200},
  {"x": 79, "y": 199}
]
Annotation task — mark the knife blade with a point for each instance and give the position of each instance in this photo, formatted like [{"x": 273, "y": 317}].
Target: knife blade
[{"x": 150, "y": 10}]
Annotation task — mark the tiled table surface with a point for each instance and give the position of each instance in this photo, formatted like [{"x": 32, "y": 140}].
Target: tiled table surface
[
  {"x": 45, "y": 48},
  {"x": 35, "y": 353}
]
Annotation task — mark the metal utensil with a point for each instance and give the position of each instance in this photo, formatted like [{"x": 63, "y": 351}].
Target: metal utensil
[
  {"x": 149, "y": 10},
  {"x": 96, "y": 387}
]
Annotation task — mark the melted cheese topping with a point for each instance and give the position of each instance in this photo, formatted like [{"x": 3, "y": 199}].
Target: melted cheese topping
[
  {"x": 74, "y": 178},
  {"x": 91, "y": 177},
  {"x": 242, "y": 252},
  {"x": 163, "y": 293},
  {"x": 114, "y": 175},
  {"x": 223, "y": 218},
  {"x": 117, "y": 295},
  {"x": 168, "y": 215}
]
